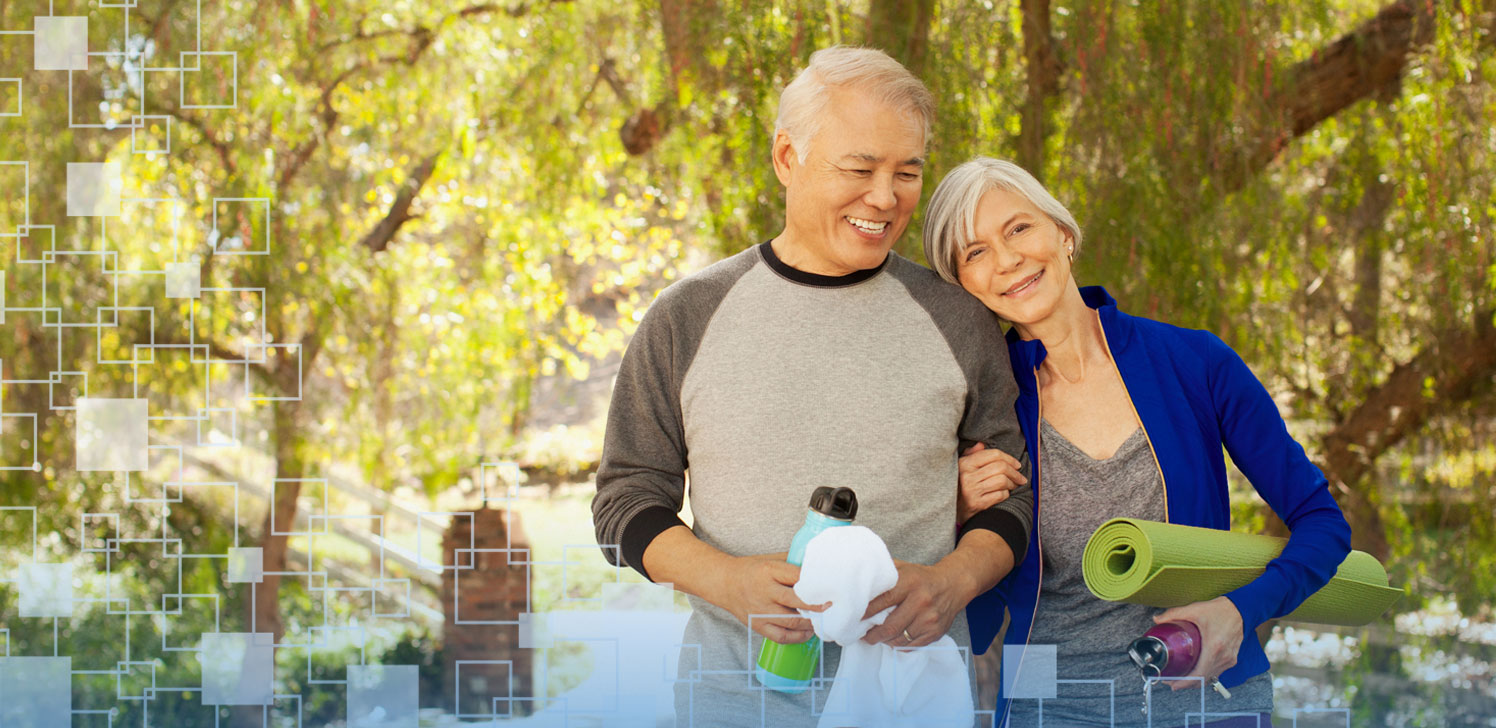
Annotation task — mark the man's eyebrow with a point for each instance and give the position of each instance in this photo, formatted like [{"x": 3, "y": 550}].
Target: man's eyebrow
[{"x": 875, "y": 159}]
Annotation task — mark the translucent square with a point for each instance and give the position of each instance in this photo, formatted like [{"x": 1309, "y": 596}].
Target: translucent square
[
  {"x": 183, "y": 280},
  {"x": 534, "y": 631},
  {"x": 46, "y": 590},
  {"x": 36, "y": 692},
  {"x": 94, "y": 189},
  {"x": 61, "y": 43},
  {"x": 150, "y": 134},
  {"x": 10, "y": 87},
  {"x": 624, "y": 596},
  {"x": 112, "y": 435},
  {"x": 238, "y": 668},
  {"x": 246, "y": 565},
  {"x": 1030, "y": 672},
  {"x": 383, "y": 696}
]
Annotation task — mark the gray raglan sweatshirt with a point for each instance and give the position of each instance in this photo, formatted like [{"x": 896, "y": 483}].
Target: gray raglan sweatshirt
[{"x": 766, "y": 382}]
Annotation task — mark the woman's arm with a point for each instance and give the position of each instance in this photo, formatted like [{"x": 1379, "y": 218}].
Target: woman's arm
[{"x": 1258, "y": 441}]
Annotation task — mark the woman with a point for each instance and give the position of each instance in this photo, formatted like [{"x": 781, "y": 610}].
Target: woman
[{"x": 1123, "y": 416}]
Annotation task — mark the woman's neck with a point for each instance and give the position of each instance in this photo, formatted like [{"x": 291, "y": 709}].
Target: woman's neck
[{"x": 1071, "y": 336}]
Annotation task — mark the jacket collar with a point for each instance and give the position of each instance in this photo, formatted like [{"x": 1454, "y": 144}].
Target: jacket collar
[{"x": 1026, "y": 356}]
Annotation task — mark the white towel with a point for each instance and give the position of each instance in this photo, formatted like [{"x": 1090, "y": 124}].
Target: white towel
[{"x": 876, "y": 686}]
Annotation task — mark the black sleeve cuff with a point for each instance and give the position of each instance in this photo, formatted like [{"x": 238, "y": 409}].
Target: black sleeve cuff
[
  {"x": 642, "y": 529},
  {"x": 1005, "y": 525}
]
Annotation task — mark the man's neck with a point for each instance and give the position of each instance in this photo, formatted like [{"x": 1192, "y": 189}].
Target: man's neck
[{"x": 799, "y": 257}]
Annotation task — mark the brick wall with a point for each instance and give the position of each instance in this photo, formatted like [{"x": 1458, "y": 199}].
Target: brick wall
[{"x": 483, "y": 584}]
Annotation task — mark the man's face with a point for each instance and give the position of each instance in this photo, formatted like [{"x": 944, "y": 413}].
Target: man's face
[{"x": 851, "y": 199}]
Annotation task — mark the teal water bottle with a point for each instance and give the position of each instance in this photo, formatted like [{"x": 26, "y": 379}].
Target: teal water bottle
[{"x": 789, "y": 668}]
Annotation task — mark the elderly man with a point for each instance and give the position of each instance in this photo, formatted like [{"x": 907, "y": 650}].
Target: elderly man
[{"x": 816, "y": 358}]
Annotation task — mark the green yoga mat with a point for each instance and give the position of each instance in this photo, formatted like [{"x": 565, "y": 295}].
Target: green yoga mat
[{"x": 1167, "y": 565}]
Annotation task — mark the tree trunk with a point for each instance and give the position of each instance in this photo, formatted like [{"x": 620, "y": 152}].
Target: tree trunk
[
  {"x": 1043, "y": 69},
  {"x": 901, "y": 28},
  {"x": 691, "y": 28},
  {"x": 289, "y": 469}
]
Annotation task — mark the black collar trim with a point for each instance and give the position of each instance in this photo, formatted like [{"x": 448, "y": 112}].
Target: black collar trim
[{"x": 815, "y": 279}]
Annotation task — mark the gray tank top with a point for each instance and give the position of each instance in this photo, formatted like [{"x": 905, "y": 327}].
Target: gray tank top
[{"x": 1077, "y": 494}]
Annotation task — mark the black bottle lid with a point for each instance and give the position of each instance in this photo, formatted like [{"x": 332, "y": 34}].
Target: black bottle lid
[
  {"x": 834, "y": 502},
  {"x": 1149, "y": 653}
]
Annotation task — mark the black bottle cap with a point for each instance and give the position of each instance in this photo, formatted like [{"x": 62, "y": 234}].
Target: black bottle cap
[
  {"x": 834, "y": 502},
  {"x": 1149, "y": 653}
]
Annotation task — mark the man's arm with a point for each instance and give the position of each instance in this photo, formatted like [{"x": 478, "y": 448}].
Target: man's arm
[
  {"x": 991, "y": 543},
  {"x": 641, "y": 482},
  {"x": 749, "y": 587}
]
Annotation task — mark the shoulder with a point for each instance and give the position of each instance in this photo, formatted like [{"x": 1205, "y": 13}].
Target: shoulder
[
  {"x": 699, "y": 293},
  {"x": 1185, "y": 345},
  {"x": 1198, "y": 359},
  {"x": 947, "y": 303}
]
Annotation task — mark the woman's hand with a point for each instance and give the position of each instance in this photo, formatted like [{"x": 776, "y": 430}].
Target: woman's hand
[
  {"x": 986, "y": 478},
  {"x": 925, "y": 600},
  {"x": 1220, "y": 636}
]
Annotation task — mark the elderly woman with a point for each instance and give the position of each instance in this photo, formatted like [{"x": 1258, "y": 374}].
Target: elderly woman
[{"x": 1124, "y": 416}]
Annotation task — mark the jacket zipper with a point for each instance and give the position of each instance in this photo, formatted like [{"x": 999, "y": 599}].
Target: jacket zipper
[
  {"x": 1123, "y": 382},
  {"x": 1039, "y": 503},
  {"x": 1038, "y": 533}
]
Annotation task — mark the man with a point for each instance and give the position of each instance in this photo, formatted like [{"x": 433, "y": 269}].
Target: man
[{"x": 817, "y": 358}]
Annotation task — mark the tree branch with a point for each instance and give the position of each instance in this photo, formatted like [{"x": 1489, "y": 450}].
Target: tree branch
[
  {"x": 225, "y": 152},
  {"x": 1367, "y": 61},
  {"x": 1448, "y": 372},
  {"x": 216, "y": 351},
  {"x": 399, "y": 213},
  {"x": 420, "y": 31}
]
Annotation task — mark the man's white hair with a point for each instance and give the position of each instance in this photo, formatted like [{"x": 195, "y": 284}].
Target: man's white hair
[
  {"x": 950, "y": 218},
  {"x": 866, "y": 69}
]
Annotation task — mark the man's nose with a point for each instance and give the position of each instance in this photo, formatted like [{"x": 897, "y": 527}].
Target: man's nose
[{"x": 881, "y": 196}]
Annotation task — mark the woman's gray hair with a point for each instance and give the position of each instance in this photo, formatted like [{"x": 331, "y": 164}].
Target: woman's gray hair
[
  {"x": 950, "y": 218},
  {"x": 871, "y": 70}
]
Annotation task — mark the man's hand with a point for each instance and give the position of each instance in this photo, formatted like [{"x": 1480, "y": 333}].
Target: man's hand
[
  {"x": 758, "y": 585},
  {"x": 745, "y": 586},
  {"x": 926, "y": 600},
  {"x": 986, "y": 478},
  {"x": 1220, "y": 636}
]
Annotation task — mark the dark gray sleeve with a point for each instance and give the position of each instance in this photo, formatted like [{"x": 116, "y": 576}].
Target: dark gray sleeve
[
  {"x": 974, "y": 335},
  {"x": 641, "y": 478}
]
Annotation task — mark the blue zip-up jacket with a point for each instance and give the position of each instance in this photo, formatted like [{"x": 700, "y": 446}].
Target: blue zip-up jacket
[{"x": 1193, "y": 395}]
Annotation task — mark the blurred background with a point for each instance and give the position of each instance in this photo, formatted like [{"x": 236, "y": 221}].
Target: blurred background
[{"x": 311, "y": 310}]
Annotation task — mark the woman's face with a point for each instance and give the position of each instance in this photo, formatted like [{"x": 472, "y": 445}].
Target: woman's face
[{"x": 1018, "y": 263}]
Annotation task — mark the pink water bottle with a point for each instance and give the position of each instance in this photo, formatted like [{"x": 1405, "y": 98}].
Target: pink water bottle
[{"x": 1170, "y": 649}]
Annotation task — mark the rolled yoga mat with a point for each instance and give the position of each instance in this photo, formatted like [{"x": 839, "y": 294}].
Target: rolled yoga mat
[{"x": 1168, "y": 565}]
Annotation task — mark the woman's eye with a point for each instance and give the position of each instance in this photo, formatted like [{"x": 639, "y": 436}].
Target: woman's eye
[
  {"x": 972, "y": 254},
  {"x": 1019, "y": 228}
]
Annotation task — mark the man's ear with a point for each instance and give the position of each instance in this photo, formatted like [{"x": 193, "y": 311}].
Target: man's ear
[{"x": 786, "y": 158}]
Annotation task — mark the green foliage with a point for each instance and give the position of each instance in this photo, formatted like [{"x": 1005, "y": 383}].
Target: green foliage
[{"x": 452, "y": 219}]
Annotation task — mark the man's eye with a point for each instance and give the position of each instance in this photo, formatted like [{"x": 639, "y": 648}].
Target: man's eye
[{"x": 908, "y": 176}]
